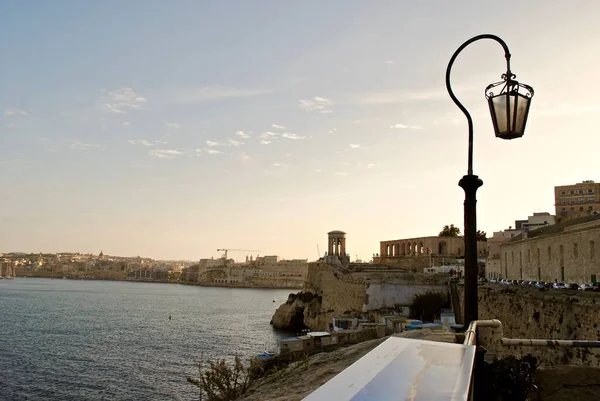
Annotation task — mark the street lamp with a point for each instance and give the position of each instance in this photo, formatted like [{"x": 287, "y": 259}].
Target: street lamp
[{"x": 509, "y": 108}]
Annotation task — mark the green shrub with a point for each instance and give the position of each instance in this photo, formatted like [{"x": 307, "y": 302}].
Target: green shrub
[
  {"x": 223, "y": 381},
  {"x": 510, "y": 378},
  {"x": 426, "y": 306}
]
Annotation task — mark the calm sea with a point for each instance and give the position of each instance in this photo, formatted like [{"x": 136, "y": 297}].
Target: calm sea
[{"x": 107, "y": 340}]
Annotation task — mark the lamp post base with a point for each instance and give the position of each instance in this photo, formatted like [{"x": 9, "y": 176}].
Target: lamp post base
[{"x": 470, "y": 183}]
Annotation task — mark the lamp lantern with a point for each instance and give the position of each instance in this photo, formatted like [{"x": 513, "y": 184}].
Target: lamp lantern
[{"x": 509, "y": 107}]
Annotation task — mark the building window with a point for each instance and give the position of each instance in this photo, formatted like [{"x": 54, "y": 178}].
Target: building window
[
  {"x": 581, "y": 200},
  {"x": 563, "y": 201},
  {"x": 571, "y": 192},
  {"x": 581, "y": 191},
  {"x": 563, "y": 193},
  {"x": 581, "y": 208},
  {"x": 575, "y": 250},
  {"x": 549, "y": 253},
  {"x": 590, "y": 191},
  {"x": 591, "y": 199},
  {"x": 572, "y": 201},
  {"x": 592, "y": 251},
  {"x": 562, "y": 255}
]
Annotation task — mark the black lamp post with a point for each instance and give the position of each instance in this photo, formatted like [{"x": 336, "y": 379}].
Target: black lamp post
[{"x": 509, "y": 108}]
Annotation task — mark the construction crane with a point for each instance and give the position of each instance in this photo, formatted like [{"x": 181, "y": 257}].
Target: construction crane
[{"x": 234, "y": 250}]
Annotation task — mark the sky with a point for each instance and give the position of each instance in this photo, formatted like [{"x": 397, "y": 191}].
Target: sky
[{"x": 169, "y": 129}]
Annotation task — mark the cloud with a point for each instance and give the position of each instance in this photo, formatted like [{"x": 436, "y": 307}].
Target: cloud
[
  {"x": 280, "y": 165},
  {"x": 316, "y": 104},
  {"x": 83, "y": 146},
  {"x": 365, "y": 165},
  {"x": 331, "y": 131},
  {"x": 213, "y": 151},
  {"x": 268, "y": 134},
  {"x": 265, "y": 142},
  {"x": 212, "y": 143},
  {"x": 233, "y": 142},
  {"x": 140, "y": 142},
  {"x": 354, "y": 146},
  {"x": 278, "y": 126},
  {"x": 318, "y": 171},
  {"x": 402, "y": 126},
  {"x": 161, "y": 142},
  {"x": 164, "y": 153},
  {"x": 121, "y": 100},
  {"x": 127, "y": 123},
  {"x": 342, "y": 173},
  {"x": 206, "y": 93},
  {"x": 291, "y": 136},
  {"x": 389, "y": 62},
  {"x": 242, "y": 134},
  {"x": 172, "y": 125},
  {"x": 15, "y": 112}
]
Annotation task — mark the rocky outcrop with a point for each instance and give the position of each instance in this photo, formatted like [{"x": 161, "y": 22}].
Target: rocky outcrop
[{"x": 295, "y": 312}]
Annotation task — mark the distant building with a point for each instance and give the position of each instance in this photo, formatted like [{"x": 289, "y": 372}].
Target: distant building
[
  {"x": 493, "y": 264},
  {"x": 564, "y": 252},
  {"x": 577, "y": 200}
]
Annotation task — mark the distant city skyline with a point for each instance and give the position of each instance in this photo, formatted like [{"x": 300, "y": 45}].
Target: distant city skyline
[{"x": 170, "y": 130}]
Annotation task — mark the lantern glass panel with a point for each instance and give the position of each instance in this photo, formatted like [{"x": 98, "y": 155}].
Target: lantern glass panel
[
  {"x": 521, "y": 113},
  {"x": 498, "y": 104},
  {"x": 509, "y": 114}
]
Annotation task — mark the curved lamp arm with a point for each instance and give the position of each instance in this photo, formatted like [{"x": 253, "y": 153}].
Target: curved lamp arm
[{"x": 508, "y": 76}]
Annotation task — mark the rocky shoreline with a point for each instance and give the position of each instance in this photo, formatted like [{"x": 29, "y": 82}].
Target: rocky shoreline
[{"x": 296, "y": 311}]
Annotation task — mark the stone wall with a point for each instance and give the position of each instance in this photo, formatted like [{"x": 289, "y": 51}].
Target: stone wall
[
  {"x": 340, "y": 294},
  {"x": 543, "y": 314},
  {"x": 571, "y": 255},
  {"x": 343, "y": 292},
  {"x": 385, "y": 295}
]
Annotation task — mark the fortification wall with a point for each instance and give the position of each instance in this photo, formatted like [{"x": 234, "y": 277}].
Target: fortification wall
[
  {"x": 343, "y": 292},
  {"x": 340, "y": 293},
  {"x": 549, "y": 314},
  {"x": 385, "y": 295}
]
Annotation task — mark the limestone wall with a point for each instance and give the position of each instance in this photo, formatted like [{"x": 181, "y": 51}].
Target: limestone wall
[
  {"x": 340, "y": 293},
  {"x": 573, "y": 256},
  {"x": 385, "y": 295},
  {"x": 549, "y": 314}
]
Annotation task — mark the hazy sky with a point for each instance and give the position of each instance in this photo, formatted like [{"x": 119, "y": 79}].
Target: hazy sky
[{"x": 169, "y": 129}]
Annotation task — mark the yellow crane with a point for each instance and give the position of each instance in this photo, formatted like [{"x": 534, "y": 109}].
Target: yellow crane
[{"x": 234, "y": 250}]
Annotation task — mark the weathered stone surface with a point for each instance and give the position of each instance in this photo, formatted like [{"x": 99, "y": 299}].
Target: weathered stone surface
[
  {"x": 297, "y": 381},
  {"x": 290, "y": 316},
  {"x": 568, "y": 383},
  {"x": 527, "y": 312}
]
